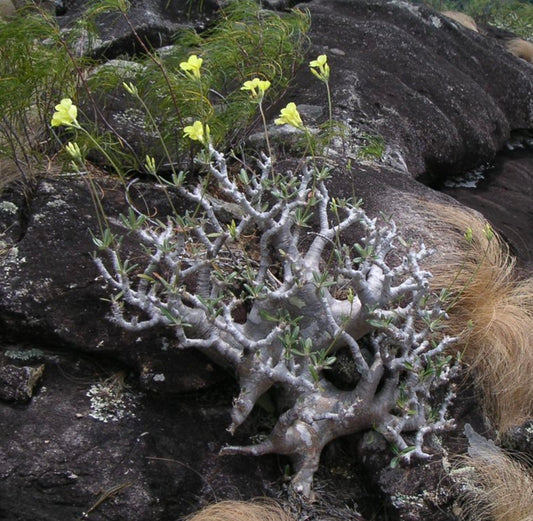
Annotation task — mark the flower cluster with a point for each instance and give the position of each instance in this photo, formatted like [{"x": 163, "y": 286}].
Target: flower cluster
[
  {"x": 256, "y": 87},
  {"x": 66, "y": 114},
  {"x": 320, "y": 68},
  {"x": 192, "y": 67}
]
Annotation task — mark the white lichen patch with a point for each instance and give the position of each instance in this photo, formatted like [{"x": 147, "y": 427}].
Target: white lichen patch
[
  {"x": 24, "y": 354},
  {"x": 11, "y": 260},
  {"x": 8, "y": 207},
  {"x": 56, "y": 203},
  {"x": 403, "y": 500},
  {"x": 436, "y": 21},
  {"x": 111, "y": 402},
  {"x": 133, "y": 118}
]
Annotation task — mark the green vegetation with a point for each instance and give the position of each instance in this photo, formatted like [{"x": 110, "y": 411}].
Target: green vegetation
[
  {"x": 34, "y": 70},
  {"x": 39, "y": 68},
  {"x": 512, "y": 15}
]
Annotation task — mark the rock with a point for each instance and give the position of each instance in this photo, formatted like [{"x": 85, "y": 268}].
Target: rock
[
  {"x": 151, "y": 461},
  {"x": 444, "y": 98},
  {"x": 17, "y": 383},
  {"x": 50, "y": 289},
  {"x": 504, "y": 197},
  {"x": 519, "y": 440},
  {"x": 149, "y": 23},
  {"x": 128, "y": 425},
  {"x": 7, "y": 9}
]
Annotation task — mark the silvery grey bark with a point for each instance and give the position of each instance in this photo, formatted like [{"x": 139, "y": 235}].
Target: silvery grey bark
[{"x": 258, "y": 278}]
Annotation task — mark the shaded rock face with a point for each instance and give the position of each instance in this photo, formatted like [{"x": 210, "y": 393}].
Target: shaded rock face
[
  {"x": 88, "y": 436},
  {"x": 153, "y": 22},
  {"x": 123, "y": 425},
  {"x": 50, "y": 288},
  {"x": 504, "y": 196}
]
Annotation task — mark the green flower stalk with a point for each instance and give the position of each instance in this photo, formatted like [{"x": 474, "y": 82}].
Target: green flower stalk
[
  {"x": 257, "y": 89},
  {"x": 320, "y": 69}
]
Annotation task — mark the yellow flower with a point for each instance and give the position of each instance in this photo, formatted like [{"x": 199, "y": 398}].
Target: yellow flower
[
  {"x": 321, "y": 63},
  {"x": 130, "y": 88},
  {"x": 290, "y": 116},
  {"x": 66, "y": 114},
  {"x": 73, "y": 151},
  {"x": 196, "y": 132},
  {"x": 192, "y": 66},
  {"x": 256, "y": 87},
  {"x": 150, "y": 165}
]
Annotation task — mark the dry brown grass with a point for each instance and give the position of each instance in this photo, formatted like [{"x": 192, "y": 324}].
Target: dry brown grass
[
  {"x": 521, "y": 48},
  {"x": 490, "y": 309},
  {"x": 462, "y": 18},
  {"x": 502, "y": 489},
  {"x": 257, "y": 510}
]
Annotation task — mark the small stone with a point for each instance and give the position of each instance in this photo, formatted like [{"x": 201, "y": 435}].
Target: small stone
[{"x": 17, "y": 384}]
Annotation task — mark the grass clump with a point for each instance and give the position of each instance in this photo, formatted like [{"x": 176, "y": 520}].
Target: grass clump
[
  {"x": 490, "y": 310},
  {"x": 263, "y": 509},
  {"x": 498, "y": 486},
  {"x": 35, "y": 67}
]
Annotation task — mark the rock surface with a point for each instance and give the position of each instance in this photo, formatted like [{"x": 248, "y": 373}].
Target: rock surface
[
  {"x": 125, "y": 425},
  {"x": 504, "y": 196}
]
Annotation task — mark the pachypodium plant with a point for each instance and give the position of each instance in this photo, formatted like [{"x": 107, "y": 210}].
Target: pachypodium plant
[{"x": 257, "y": 277}]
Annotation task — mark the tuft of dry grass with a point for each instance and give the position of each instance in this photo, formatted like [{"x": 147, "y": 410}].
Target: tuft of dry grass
[
  {"x": 490, "y": 310},
  {"x": 462, "y": 18},
  {"x": 521, "y": 48},
  {"x": 262, "y": 509},
  {"x": 502, "y": 489}
]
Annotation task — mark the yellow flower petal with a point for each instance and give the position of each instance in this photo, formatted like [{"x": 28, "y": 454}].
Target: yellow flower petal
[
  {"x": 197, "y": 132},
  {"x": 319, "y": 62},
  {"x": 290, "y": 116},
  {"x": 66, "y": 113},
  {"x": 256, "y": 87},
  {"x": 192, "y": 66}
]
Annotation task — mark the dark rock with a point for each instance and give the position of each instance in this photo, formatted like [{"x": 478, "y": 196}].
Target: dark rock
[
  {"x": 147, "y": 24},
  {"x": 50, "y": 289},
  {"x": 106, "y": 433},
  {"x": 89, "y": 435},
  {"x": 444, "y": 98},
  {"x": 519, "y": 439},
  {"x": 420, "y": 492},
  {"x": 504, "y": 196},
  {"x": 17, "y": 383}
]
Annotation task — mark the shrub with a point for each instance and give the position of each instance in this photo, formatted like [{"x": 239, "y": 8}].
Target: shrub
[{"x": 256, "y": 277}]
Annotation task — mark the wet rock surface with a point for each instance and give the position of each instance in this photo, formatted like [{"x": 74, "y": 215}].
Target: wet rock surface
[
  {"x": 504, "y": 196},
  {"x": 124, "y": 425}
]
